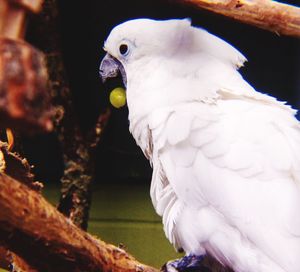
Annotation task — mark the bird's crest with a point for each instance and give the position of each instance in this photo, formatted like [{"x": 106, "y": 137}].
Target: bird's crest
[{"x": 202, "y": 41}]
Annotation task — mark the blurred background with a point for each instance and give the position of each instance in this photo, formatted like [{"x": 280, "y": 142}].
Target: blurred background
[{"x": 121, "y": 209}]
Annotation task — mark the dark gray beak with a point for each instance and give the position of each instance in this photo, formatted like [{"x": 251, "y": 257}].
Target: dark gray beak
[{"x": 110, "y": 67}]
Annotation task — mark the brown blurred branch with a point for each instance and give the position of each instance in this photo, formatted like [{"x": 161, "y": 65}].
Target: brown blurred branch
[
  {"x": 279, "y": 18},
  {"x": 4, "y": 258},
  {"x": 24, "y": 98},
  {"x": 38, "y": 233}
]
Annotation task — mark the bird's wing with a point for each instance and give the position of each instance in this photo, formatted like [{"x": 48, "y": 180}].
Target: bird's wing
[{"x": 241, "y": 157}]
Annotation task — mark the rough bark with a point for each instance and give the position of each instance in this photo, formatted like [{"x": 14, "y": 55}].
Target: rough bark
[
  {"x": 78, "y": 145},
  {"x": 78, "y": 173},
  {"x": 279, "y": 18},
  {"x": 17, "y": 167},
  {"x": 24, "y": 98},
  {"x": 78, "y": 176},
  {"x": 38, "y": 233},
  {"x": 14, "y": 165}
]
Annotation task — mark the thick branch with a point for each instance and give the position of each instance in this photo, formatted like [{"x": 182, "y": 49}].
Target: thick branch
[
  {"x": 78, "y": 144},
  {"x": 12, "y": 20},
  {"x": 22, "y": 69},
  {"x": 45, "y": 239},
  {"x": 30, "y": 5},
  {"x": 270, "y": 15}
]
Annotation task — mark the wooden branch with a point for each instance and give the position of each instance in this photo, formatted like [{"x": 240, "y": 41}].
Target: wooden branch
[
  {"x": 47, "y": 241},
  {"x": 13, "y": 16},
  {"x": 279, "y": 18},
  {"x": 4, "y": 258},
  {"x": 24, "y": 96},
  {"x": 17, "y": 167},
  {"x": 33, "y": 6},
  {"x": 78, "y": 144},
  {"x": 17, "y": 264},
  {"x": 12, "y": 20},
  {"x": 79, "y": 157},
  {"x": 24, "y": 102}
]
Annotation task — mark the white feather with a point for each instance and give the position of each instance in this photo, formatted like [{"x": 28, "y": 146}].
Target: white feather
[{"x": 226, "y": 160}]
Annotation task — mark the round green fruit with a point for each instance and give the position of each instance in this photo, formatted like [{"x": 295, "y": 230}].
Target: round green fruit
[{"x": 117, "y": 97}]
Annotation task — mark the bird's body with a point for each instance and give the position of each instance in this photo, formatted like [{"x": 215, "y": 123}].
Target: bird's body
[{"x": 225, "y": 158}]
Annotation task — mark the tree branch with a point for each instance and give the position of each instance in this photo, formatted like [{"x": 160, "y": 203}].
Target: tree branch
[
  {"x": 279, "y": 18},
  {"x": 47, "y": 241},
  {"x": 22, "y": 68},
  {"x": 4, "y": 258}
]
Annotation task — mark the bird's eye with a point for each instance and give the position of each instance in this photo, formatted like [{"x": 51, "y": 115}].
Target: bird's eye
[{"x": 123, "y": 49}]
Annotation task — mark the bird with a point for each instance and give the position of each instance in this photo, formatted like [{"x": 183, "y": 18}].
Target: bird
[{"x": 225, "y": 157}]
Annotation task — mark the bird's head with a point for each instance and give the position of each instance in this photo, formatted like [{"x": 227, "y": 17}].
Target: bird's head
[
  {"x": 139, "y": 39},
  {"x": 164, "y": 63}
]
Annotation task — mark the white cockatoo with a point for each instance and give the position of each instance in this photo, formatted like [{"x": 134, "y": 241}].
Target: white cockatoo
[{"x": 225, "y": 158}]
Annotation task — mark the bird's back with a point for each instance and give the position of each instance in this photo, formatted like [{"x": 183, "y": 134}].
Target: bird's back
[{"x": 231, "y": 168}]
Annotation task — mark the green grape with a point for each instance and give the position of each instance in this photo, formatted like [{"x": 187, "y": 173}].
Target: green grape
[{"x": 117, "y": 97}]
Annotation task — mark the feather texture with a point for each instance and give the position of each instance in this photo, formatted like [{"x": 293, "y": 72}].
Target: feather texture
[
  {"x": 253, "y": 196},
  {"x": 225, "y": 158}
]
